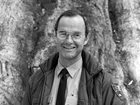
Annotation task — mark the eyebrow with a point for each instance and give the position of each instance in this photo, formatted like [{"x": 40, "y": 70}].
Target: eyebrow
[
  {"x": 75, "y": 32},
  {"x": 61, "y": 31}
]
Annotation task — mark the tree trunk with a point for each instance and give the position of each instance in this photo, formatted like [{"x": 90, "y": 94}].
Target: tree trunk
[
  {"x": 15, "y": 42},
  {"x": 127, "y": 25}
]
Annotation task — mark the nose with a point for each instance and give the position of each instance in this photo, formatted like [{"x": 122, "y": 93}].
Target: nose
[{"x": 69, "y": 39}]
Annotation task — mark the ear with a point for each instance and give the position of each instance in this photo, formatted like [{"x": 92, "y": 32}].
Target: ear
[{"x": 86, "y": 39}]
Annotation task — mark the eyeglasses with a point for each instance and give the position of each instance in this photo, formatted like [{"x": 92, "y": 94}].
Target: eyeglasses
[{"x": 64, "y": 35}]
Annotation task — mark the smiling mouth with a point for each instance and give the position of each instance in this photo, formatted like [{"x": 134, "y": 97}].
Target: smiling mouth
[{"x": 68, "y": 47}]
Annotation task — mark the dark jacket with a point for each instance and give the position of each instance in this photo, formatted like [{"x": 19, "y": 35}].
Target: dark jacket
[{"x": 96, "y": 86}]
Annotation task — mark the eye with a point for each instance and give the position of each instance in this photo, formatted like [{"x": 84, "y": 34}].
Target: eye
[
  {"x": 76, "y": 35},
  {"x": 62, "y": 33}
]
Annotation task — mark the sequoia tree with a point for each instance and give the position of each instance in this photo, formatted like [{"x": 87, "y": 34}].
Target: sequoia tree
[
  {"x": 126, "y": 25},
  {"x": 16, "y": 25},
  {"x": 27, "y": 40}
]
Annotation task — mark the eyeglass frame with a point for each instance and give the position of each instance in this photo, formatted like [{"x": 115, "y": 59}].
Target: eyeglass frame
[{"x": 65, "y": 34}]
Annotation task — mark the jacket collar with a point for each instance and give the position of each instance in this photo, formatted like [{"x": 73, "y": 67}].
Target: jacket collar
[{"x": 89, "y": 63}]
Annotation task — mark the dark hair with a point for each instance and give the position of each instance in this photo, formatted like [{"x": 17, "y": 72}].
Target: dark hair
[{"x": 72, "y": 13}]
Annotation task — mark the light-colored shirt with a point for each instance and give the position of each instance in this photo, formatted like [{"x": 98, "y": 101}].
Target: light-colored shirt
[{"x": 73, "y": 79}]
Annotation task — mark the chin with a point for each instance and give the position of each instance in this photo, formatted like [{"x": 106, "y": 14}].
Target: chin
[{"x": 70, "y": 56}]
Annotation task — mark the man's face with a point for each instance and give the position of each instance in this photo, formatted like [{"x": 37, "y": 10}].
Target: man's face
[{"x": 70, "y": 38}]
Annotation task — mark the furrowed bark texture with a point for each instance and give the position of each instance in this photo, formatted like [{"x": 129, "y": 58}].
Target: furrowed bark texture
[
  {"x": 15, "y": 43},
  {"x": 126, "y": 25}
]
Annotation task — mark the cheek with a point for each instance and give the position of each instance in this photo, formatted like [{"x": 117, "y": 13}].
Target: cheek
[
  {"x": 81, "y": 43},
  {"x": 58, "y": 43}
]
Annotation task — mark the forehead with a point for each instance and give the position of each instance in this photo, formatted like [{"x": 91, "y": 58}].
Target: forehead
[{"x": 72, "y": 23}]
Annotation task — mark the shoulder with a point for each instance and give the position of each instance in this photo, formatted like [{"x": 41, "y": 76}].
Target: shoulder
[
  {"x": 104, "y": 77},
  {"x": 107, "y": 79},
  {"x": 36, "y": 77},
  {"x": 49, "y": 63},
  {"x": 112, "y": 85}
]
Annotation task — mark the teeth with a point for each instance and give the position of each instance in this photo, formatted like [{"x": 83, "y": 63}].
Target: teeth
[{"x": 68, "y": 47}]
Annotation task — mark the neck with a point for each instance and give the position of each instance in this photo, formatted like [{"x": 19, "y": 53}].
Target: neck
[{"x": 67, "y": 62}]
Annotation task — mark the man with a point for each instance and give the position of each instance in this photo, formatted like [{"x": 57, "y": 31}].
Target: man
[{"x": 72, "y": 76}]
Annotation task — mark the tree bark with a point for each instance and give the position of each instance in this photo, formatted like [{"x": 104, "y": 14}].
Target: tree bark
[
  {"x": 126, "y": 25},
  {"x": 16, "y": 24}
]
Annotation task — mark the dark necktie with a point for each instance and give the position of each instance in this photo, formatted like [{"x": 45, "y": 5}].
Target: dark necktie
[{"x": 62, "y": 88}]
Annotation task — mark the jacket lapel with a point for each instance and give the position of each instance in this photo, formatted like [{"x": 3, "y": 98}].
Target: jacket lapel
[
  {"x": 48, "y": 85},
  {"x": 83, "y": 93}
]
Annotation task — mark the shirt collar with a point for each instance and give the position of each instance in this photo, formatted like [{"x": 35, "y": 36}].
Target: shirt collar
[{"x": 72, "y": 69}]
